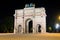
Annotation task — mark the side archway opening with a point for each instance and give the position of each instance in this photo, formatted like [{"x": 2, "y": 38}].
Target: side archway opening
[
  {"x": 38, "y": 28},
  {"x": 19, "y": 28}
]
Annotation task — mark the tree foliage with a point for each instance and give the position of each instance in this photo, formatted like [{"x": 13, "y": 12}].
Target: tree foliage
[{"x": 7, "y": 25}]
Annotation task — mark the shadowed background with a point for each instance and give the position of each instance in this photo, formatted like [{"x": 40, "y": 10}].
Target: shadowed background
[{"x": 8, "y": 7}]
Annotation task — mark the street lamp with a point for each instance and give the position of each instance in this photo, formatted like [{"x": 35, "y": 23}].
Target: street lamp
[
  {"x": 57, "y": 26},
  {"x": 59, "y": 17}
]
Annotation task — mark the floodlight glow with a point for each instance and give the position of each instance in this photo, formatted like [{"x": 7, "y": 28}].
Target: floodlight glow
[
  {"x": 59, "y": 17},
  {"x": 57, "y": 26}
]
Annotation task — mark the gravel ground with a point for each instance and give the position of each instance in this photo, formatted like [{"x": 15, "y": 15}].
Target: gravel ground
[{"x": 38, "y": 36}]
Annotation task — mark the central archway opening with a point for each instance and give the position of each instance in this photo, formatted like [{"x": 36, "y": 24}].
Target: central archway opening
[{"x": 30, "y": 26}]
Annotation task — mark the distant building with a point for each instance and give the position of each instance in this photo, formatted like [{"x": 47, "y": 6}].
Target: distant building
[{"x": 30, "y": 20}]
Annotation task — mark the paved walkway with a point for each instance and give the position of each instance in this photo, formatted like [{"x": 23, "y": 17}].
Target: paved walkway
[{"x": 39, "y": 36}]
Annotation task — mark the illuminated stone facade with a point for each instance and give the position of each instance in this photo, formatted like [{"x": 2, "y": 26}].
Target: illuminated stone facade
[{"x": 30, "y": 20}]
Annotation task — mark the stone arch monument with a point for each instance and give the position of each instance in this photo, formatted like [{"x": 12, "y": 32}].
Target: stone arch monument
[{"x": 30, "y": 20}]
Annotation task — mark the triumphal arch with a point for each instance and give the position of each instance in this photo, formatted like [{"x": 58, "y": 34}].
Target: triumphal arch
[{"x": 30, "y": 20}]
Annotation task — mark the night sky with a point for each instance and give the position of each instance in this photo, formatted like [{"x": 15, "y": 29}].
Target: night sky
[{"x": 7, "y": 9}]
